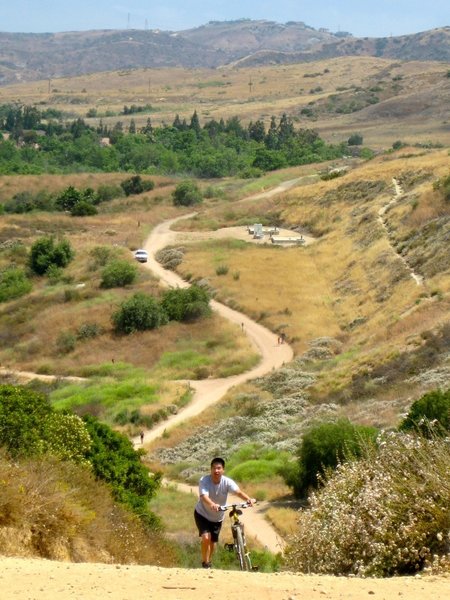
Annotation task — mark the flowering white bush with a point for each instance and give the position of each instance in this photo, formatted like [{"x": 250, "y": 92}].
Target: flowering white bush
[{"x": 386, "y": 514}]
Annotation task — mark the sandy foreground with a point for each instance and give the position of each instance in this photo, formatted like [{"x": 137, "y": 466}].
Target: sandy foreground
[{"x": 36, "y": 579}]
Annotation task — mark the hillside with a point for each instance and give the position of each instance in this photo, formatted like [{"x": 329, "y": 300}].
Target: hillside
[
  {"x": 381, "y": 99},
  {"x": 30, "y": 57}
]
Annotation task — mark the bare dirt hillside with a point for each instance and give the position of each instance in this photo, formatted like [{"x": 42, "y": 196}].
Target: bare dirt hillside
[{"x": 46, "y": 580}]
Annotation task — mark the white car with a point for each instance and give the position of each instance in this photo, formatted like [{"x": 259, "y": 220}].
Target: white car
[{"x": 141, "y": 256}]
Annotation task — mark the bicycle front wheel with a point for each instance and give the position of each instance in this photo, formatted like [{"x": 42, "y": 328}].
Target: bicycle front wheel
[{"x": 244, "y": 561}]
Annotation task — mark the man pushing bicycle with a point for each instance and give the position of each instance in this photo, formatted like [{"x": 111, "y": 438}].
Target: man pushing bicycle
[{"x": 213, "y": 493}]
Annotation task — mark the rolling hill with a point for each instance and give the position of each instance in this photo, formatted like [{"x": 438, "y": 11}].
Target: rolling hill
[{"x": 29, "y": 57}]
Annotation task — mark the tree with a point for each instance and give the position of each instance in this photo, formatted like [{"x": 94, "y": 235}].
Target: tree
[
  {"x": 187, "y": 193},
  {"x": 323, "y": 447},
  {"x": 257, "y": 131},
  {"x": 118, "y": 273},
  {"x": 135, "y": 185},
  {"x": 285, "y": 129},
  {"x": 195, "y": 124},
  {"x": 115, "y": 461},
  {"x": 271, "y": 140},
  {"x": 29, "y": 426},
  {"x": 83, "y": 208},
  {"x": 46, "y": 252},
  {"x": 355, "y": 140},
  {"x": 269, "y": 160},
  {"x": 186, "y": 304},
  {"x": 429, "y": 413},
  {"x": 68, "y": 198},
  {"x": 138, "y": 313}
]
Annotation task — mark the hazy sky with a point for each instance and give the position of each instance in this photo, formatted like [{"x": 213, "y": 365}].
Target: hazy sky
[{"x": 374, "y": 18}]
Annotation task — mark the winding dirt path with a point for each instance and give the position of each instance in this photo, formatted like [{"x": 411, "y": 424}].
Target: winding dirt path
[
  {"x": 210, "y": 391},
  {"x": 398, "y": 192}
]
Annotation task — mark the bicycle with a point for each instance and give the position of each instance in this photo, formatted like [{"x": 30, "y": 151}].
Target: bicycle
[{"x": 237, "y": 529}]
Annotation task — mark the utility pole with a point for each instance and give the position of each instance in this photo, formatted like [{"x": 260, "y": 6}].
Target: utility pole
[
  {"x": 128, "y": 21},
  {"x": 250, "y": 84}
]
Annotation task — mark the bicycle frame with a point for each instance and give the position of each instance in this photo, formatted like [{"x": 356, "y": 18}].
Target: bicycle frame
[{"x": 237, "y": 529}]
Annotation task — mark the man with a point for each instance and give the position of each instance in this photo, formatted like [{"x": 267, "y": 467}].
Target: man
[{"x": 213, "y": 493}]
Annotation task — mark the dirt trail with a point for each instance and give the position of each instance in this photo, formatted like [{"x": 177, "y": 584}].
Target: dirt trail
[
  {"x": 207, "y": 392},
  {"x": 398, "y": 193},
  {"x": 35, "y": 579}
]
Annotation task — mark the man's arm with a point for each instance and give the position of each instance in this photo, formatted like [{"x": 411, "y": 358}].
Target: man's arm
[
  {"x": 208, "y": 503},
  {"x": 244, "y": 496}
]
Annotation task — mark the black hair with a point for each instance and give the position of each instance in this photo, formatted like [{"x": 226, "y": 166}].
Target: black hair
[{"x": 218, "y": 461}]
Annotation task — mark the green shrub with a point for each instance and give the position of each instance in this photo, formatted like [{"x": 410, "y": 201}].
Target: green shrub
[
  {"x": 187, "y": 193},
  {"x": 100, "y": 256},
  {"x": 222, "y": 270},
  {"x": 46, "y": 252},
  {"x": 87, "y": 331},
  {"x": 55, "y": 275},
  {"x": 138, "y": 313},
  {"x": 136, "y": 185},
  {"x": 68, "y": 198},
  {"x": 355, "y": 140},
  {"x": 323, "y": 447},
  {"x": 66, "y": 342},
  {"x": 109, "y": 192},
  {"x": 430, "y": 412},
  {"x": 83, "y": 208},
  {"x": 13, "y": 284},
  {"x": 186, "y": 304},
  {"x": 118, "y": 273}
]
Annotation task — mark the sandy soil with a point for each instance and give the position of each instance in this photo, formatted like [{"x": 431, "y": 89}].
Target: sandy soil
[{"x": 31, "y": 579}]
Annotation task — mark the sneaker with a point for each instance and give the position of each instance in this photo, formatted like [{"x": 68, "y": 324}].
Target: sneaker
[{"x": 206, "y": 565}]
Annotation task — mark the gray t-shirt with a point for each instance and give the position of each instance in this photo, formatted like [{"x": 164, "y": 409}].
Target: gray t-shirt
[{"x": 217, "y": 492}]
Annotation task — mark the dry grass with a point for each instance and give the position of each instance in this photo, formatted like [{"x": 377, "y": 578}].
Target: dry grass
[
  {"x": 283, "y": 519},
  {"x": 58, "y": 511},
  {"x": 224, "y": 92}
]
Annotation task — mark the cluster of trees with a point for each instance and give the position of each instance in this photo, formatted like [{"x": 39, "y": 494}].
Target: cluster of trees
[
  {"x": 216, "y": 149},
  {"x": 141, "y": 311},
  {"x": 79, "y": 202},
  {"x": 31, "y": 427}
]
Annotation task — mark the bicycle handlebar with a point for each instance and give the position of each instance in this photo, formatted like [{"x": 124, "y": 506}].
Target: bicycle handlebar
[{"x": 241, "y": 505}]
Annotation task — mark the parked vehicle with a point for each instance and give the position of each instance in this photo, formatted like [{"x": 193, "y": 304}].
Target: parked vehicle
[{"x": 141, "y": 256}]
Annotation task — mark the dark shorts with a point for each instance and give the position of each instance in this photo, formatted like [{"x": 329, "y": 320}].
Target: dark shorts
[{"x": 206, "y": 526}]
